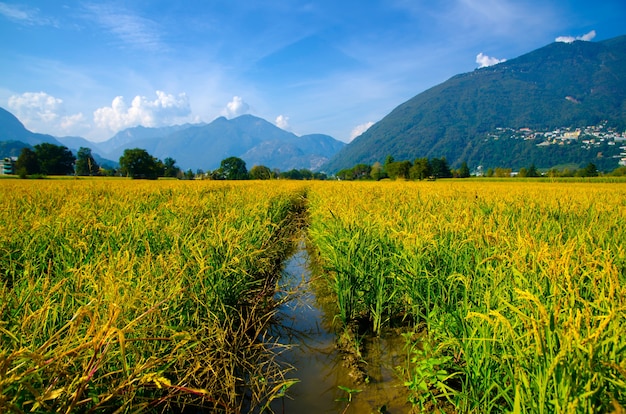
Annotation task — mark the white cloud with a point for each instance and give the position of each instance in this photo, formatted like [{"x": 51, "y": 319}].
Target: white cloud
[
  {"x": 235, "y": 108},
  {"x": 25, "y": 15},
  {"x": 72, "y": 122},
  {"x": 484, "y": 60},
  {"x": 41, "y": 112},
  {"x": 359, "y": 129},
  {"x": 164, "y": 110},
  {"x": 133, "y": 30},
  {"x": 32, "y": 107},
  {"x": 570, "y": 39},
  {"x": 282, "y": 122}
]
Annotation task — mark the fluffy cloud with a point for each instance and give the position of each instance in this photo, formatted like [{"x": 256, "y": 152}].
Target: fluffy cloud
[
  {"x": 484, "y": 60},
  {"x": 359, "y": 129},
  {"x": 235, "y": 108},
  {"x": 282, "y": 122},
  {"x": 35, "y": 107},
  {"x": 44, "y": 113},
  {"x": 570, "y": 39},
  {"x": 73, "y": 122},
  {"x": 165, "y": 109}
]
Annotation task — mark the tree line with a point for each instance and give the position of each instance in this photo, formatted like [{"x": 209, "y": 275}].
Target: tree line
[
  {"x": 419, "y": 169},
  {"x": 434, "y": 168},
  {"x": 49, "y": 159},
  {"x": 234, "y": 168}
]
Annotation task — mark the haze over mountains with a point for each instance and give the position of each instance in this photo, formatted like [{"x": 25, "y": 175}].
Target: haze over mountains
[
  {"x": 562, "y": 104},
  {"x": 562, "y": 85},
  {"x": 198, "y": 146}
]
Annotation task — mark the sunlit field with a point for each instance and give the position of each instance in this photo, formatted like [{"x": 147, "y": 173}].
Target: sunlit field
[
  {"x": 139, "y": 295},
  {"x": 515, "y": 292},
  {"x": 156, "y": 296}
]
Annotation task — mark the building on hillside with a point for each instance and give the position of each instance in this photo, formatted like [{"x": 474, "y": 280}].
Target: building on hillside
[
  {"x": 7, "y": 165},
  {"x": 572, "y": 135}
]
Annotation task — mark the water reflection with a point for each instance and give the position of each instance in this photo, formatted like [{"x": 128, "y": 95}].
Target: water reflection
[{"x": 304, "y": 324}]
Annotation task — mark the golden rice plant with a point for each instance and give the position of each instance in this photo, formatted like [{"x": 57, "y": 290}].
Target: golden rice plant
[
  {"x": 515, "y": 290},
  {"x": 140, "y": 296}
]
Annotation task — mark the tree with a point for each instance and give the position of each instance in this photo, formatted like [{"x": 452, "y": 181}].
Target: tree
[
  {"x": 361, "y": 171},
  {"x": 421, "y": 169},
  {"x": 502, "y": 172},
  {"x": 137, "y": 163},
  {"x": 169, "y": 167},
  {"x": 589, "y": 171},
  {"x": 532, "y": 171},
  {"x": 27, "y": 163},
  {"x": 54, "y": 159},
  {"x": 85, "y": 163},
  {"x": 377, "y": 172},
  {"x": 260, "y": 172},
  {"x": 345, "y": 174},
  {"x": 440, "y": 168},
  {"x": 464, "y": 171},
  {"x": 398, "y": 169},
  {"x": 234, "y": 168}
]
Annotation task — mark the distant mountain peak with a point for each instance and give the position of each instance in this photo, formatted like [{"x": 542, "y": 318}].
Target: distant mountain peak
[{"x": 11, "y": 129}]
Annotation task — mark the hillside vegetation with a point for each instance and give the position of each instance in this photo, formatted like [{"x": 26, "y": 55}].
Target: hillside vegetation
[{"x": 560, "y": 86}]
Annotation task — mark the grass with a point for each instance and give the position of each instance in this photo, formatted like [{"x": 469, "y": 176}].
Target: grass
[
  {"x": 515, "y": 291},
  {"x": 155, "y": 296},
  {"x": 120, "y": 295}
]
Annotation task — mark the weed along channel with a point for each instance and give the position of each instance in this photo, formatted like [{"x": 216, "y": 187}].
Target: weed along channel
[
  {"x": 331, "y": 379},
  {"x": 341, "y": 297}
]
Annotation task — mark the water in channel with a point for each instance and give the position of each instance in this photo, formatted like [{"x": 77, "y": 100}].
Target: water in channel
[{"x": 319, "y": 365}]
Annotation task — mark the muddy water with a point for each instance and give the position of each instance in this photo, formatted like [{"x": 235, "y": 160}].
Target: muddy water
[{"x": 307, "y": 326}]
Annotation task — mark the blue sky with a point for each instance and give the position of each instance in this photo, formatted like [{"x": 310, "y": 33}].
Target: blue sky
[{"x": 332, "y": 66}]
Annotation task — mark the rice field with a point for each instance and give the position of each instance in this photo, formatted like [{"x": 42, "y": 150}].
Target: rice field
[
  {"x": 514, "y": 293},
  {"x": 140, "y": 296},
  {"x": 155, "y": 296}
]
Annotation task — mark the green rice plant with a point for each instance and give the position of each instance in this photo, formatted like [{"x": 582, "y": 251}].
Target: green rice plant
[
  {"x": 130, "y": 296},
  {"x": 355, "y": 254},
  {"x": 518, "y": 286}
]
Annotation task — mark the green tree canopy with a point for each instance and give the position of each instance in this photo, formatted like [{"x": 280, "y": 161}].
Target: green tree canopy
[
  {"x": 85, "y": 163},
  {"x": 170, "y": 168},
  {"x": 54, "y": 159},
  {"x": 398, "y": 169},
  {"x": 589, "y": 171},
  {"x": 234, "y": 168},
  {"x": 440, "y": 168},
  {"x": 137, "y": 163},
  {"x": 27, "y": 163},
  {"x": 377, "y": 172},
  {"x": 260, "y": 172},
  {"x": 421, "y": 169},
  {"x": 464, "y": 170}
]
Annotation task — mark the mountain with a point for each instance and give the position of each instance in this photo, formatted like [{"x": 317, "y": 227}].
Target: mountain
[
  {"x": 11, "y": 129},
  {"x": 255, "y": 140},
  {"x": 148, "y": 137},
  {"x": 198, "y": 146},
  {"x": 307, "y": 151},
  {"x": 560, "y": 86},
  {"x": 77, "y": 142}
]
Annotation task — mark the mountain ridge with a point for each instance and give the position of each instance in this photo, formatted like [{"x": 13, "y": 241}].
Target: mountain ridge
[
  {"x": 559, "y": 85},
  {"x": 193, "y": 146}
]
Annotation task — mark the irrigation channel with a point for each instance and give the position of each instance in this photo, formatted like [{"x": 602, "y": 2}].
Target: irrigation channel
[{"x": 327, "y": 383}]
